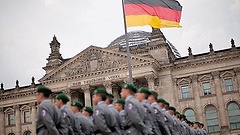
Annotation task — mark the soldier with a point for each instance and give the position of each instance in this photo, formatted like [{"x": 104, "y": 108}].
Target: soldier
[
  {"x": 176, "y": 125},
  {"x": 186, "y": 126},
  {"x": 196, "y": 126},
  {"x": 119, "y": 106},
  {"x": 204, "y": 131},
  {"x": 103, "y": 118},
  {"x": 82, "y": 124},
  {"x": 134, "y": 112},
  {"x": 161, "y": 120},
  {"x": 87, "y": 111},
  {"x": 109, "y": 102},
  {"x": 142, "y": 96},
  {"x": 49, "y": 120},
  {"x": 68, "y": 116}
]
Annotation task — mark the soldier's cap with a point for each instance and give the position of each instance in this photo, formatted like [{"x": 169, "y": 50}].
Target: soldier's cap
[
  {"x": 88, "y": 109},
  {"x": 143, "y": 90},
  {"x": 63, "y": 97},
  {"x": 44, "y": 90},
  {"x": 166, "y": 103},
  {"x": 109, "y": 95},
  {"x": 172, "y": 108},
  {"x": 177, "y": 113},
  {"x": 120, "y": 101},
  {"x": 198, "y": 123},
  {"x": 130, "y": 87},
  {"x": 183, "y": 116},
  {"x": 77, "y": 104},
  {"x": 161, "y": 100},
  {"x": 100, "y": 91},
  {"x": 154, "y": 93}
]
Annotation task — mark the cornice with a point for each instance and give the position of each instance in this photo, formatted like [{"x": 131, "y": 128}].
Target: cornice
[
  {"x": 204, "y": 61},
  {"x": 19, "y": 94}
]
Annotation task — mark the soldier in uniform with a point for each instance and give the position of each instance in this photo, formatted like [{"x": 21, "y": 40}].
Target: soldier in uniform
[
  {"x": 161, "y": 120},
  {"x": 119, "y": 106},
  {"x": 82, "y": 124},
  {"x": 49, "y": 119},
  {"x": 134, "y": 112},
  {"x": 186, "y": 126},
  {"x": 109, "y": 102},
  {"x": 87, "y": 111},
  {"x": 204, "y": 131},
  {"x": 142, "y": 96},
  {"x": 103, "y": 118},
  {"x": 68, "y": 116},
  {"x": 176, "y": 125}
]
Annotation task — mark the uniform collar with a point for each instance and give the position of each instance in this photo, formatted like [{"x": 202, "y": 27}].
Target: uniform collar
[
  {"x": 46, "y": 100},
  {"x": 154, "y": 103},
  {"x": 121, "y": 111},
  {"x": 128, "y": 98},
  {"x": 145, "y": 101},
  {"x": 101, "y": 102},
  {"x": 63, "y": 106},
  {"x": 110, "y": 105}
]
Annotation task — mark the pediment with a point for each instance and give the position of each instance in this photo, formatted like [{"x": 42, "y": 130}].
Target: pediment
[
  {"x": 227, "y": 74},
  {"x": 184, "y": 81},
  {"x": 205, "y": 78},
  {"x": 93, "y": 59}
]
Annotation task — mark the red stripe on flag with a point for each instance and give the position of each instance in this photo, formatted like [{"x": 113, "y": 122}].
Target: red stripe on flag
[{"x": 161, "y": 12}]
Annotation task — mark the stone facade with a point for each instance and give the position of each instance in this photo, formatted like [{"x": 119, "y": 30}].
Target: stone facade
[{"x": 198, "y": 83}]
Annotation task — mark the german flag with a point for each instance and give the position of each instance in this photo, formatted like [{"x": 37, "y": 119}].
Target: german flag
[{"x": 156, "y": 13}]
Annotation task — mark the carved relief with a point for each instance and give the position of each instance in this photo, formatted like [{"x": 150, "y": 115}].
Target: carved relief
[{"x": 95, "y": 61}]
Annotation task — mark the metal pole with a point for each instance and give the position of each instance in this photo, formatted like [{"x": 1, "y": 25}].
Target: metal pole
[{"x": 128, "y": 50}]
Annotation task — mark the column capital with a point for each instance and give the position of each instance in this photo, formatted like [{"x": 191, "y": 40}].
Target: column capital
[
  {"x": 16, "y": 107},
  {"x": 108, "y": 84},
  {"x": 32, "y": 104},
  {"x": 237, "y": 70},
  {"x": 67, "y": 91},
  {"x": 150, "y": 77},
  {"x": 215, "y": 74},
  {"x": 126, "y": 79},
  {"x": 85, "y": 88}
]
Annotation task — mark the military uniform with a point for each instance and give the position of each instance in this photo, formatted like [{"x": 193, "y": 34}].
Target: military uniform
[
  {"x": 134, "y": 114},
  {"x": 67, "y": 114},
  {"x": 90, "y": 111},
  {"x": 103, "y": 118},
  {"x": 82, "y": 125},
  {"x": 117, "y": 116},
  {"x": 49, "y": 119}
]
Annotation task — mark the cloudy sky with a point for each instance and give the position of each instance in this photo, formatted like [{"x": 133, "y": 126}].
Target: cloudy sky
[{"x": 27, "y": 28}]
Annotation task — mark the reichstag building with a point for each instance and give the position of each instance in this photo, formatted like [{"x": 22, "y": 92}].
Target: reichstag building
[{"x": 205, "y": 87}]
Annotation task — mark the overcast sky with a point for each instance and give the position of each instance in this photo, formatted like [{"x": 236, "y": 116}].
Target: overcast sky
[{"x": 27, "y": 28}]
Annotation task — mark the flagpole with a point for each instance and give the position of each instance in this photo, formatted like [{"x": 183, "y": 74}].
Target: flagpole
[{"x": 128, "y": 50}]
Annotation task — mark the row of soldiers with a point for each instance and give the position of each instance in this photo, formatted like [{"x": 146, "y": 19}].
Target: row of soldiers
[{"x": 137, "y": 112}]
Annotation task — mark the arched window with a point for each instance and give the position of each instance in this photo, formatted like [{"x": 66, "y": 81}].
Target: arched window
[
  {"x": 190, "y": 114},
  {"x": 234, "y": 115},
  {"x": 212, "y": 119}
]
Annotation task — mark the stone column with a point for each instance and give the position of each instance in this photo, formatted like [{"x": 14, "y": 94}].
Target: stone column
[
  {"x": 33, "y": 116},
  {"x": 2, "y": 123},
  {"x": 150, "y": 79},
  {"x": 115, "y": 92},
  {"x": 18, "y": 120},
  {"x": 87, "y": 96},
  {"x": 220, "y": 102},
  {"x": 108, "y": 86},
  {"x": 68, "y": 93},
  {"x": 196, "y": 95}
]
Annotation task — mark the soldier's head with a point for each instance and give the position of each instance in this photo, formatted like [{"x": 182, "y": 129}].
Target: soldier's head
[
  {"x": 201, "y": 125},
  {"x": 109, "y": 99},
  {"x": 177, "y": 114},
  {"x": 166, "y": 105},
  {"x": 152, "y": 97},
  {"x": 182, "y": 117},
  {"x": 87, "y": 111},
  {"x": 142, "y": 94},
  {"x": 196, "y": 125},
  {"x": 127, "y": 90},
  {"x": 172, "y": 110},
  {"x": 161, "y": 102},
  {"x": 119, "y": 105},
  {"x": 43, "y": 93},
  {"x": 76, "y": 106},
  {"x": 100, "y": 94},
  {"x": 61, "y": 99}
]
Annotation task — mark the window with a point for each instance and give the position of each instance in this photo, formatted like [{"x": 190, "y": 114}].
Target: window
[
  {"x": 10, "y": 119},
  {"x": 234, "y": 115},
  {"x": 212, "y": 119},
  {"x": 206, "y": 88},
  {"x": 26, "y": 116},
  {"x": 185, "y": 92},
  {"x": 228, "y": 84},
  {"x": 190, "y": 115}
]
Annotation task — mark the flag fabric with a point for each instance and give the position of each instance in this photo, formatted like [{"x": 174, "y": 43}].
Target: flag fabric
[{"x": 156, "y": 13}]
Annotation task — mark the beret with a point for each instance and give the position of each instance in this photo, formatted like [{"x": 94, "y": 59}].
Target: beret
[
  {"x": 63, "y": 97},
  {"x": 143, "y": 90},
  {"x": 78, "y": 104},
  {"x": 130, "y": 87},
  {"x": 110, "y": 95},
  {"x": 100, "y": 90},
  {"x": 154, "y": 93},
  {"x": 161, "y": 100},
  {"x": 88, "y": 109},
  {"x": 44, "y": 89},
  {"x": 172, "y": 108},
  {"x": 120, "y": 101}
]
